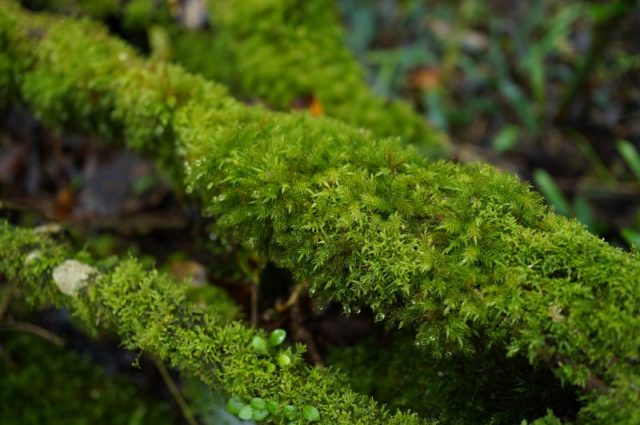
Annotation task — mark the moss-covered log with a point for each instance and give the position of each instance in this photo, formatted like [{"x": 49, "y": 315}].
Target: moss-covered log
[
  {"x": 286, "y": 53},
  {"x": 282, "y": 50},
  {"x": 150, "y": 312},
  {"x": 455, "y": 252}
]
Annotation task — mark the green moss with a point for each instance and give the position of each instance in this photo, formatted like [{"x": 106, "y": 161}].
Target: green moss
[
  {"x": 484, "y": 388},
  {"x": 150, "y": 312},
  {"x": 285, "y": 53},
  {"x": 99, "y": 9},
  {"x": 284, "y": 50},
  {"x": 451, "y": 251},
  {"x": 43, "y": 384}
]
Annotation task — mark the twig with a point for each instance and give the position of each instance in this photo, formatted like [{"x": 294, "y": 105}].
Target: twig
[
  {"x": 293, "y": 298},
  {"x": 32, "y": 329},
  {"x": 5, "y": 302},
  {"x": 254, "y": 305},
  {"x": 301, "y": 333},
  {"x": 7, "y": 358},
  {"x": 175, "y": 392}
]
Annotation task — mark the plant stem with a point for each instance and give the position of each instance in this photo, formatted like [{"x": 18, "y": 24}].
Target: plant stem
[
  {"x": 175, "y": 392},
  {"x": 32, "y": 329}
]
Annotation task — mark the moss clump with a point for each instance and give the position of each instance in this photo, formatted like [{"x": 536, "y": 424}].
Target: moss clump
[
  {"x": 43, "y": 384},
  {"x": 453, "y": 252}
]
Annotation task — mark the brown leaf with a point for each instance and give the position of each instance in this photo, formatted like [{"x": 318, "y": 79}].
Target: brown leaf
[{"x": 424, "y": 78}]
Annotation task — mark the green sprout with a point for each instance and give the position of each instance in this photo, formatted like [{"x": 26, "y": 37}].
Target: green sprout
[
  {"x": 277, "y": 337},
  {"x": 259, "y": 344},
  {"x": 311, "y": 413}
]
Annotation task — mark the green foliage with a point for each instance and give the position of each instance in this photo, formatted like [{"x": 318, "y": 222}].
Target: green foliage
[
  {"x": 259, "y": 409},
  {"x": 464, "y": 255},
  {"x": 524, "y": 73},
  {"x": 42, "y": 383}
]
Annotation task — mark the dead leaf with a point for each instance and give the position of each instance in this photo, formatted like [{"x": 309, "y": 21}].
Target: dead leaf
[{"x": 424, "y": 78}]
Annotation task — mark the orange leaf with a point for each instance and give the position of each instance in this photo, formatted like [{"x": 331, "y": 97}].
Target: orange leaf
[{"x": 316, "y": 108}]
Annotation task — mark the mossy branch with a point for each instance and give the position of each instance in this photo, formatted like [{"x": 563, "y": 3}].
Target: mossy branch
[
  {"x": 282, "y": 50},
  {"x": 150, "y": 312},
  {"x": 451, "y": 251},
  {"x": 289, "y": 54}
]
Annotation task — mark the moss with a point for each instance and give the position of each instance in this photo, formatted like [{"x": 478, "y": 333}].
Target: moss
[
  {"x": 484, "y": 388},
  {"x": 285, "y": 53},
  {"x": 42, "y": 383},
  {"x": 450, "y": 251},
  {"x": 150, "y": 312},
  {"x": 284, "y": 50},
  {"x": 99, "y": 9}
]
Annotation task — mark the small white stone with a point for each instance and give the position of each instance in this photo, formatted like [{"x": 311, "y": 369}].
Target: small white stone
[
  {"x": 48, "y": 229},
  {"x": 72, "y": 275},
  {"x": 32, "y": 256}
]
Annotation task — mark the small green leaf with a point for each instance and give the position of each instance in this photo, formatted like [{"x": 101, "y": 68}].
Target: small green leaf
[
  {"x": 246, "y": 413},
  {"x": 272, "y": 406},
  {"x": 631, "y": 237},
  {"x": 284, "y": 360},
  {"x": 506, "y": 138},
  {"x": 290, "y": 412},
  {"x": 259, "y": 415},
  {"x": 583, "y": 212},
  {"x": 258, "y": 404},
  {"x": 277, "y": 337},
  {"x": 234, "y": 406},
  {"x": 551, "y": 191},
  {"x": 259, "y": 344},
  {"x": 631, "y": 156},
  {"x": 310, "y": 413}
]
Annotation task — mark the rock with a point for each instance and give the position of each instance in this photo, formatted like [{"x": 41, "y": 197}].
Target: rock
[
  {"x": 72, "y": 276},
  {"x": 32, "y": 256}
]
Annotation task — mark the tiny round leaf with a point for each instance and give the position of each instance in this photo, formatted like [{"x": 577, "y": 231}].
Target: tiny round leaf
[
  {"x": 259, "y": 344},
  {"x": 259, "y": 415},
  {"x": 290, "y": 412},
  {"x": 258, "y": 404},
  {"x": 310, "y": 413},
  {"x": 234, "y": 406},
  {"x": 272, "y": 407},
  {"x": 277, "y": 337},
  {"x": 284, "y": 360},
  {"x": 246, "y": 413}
]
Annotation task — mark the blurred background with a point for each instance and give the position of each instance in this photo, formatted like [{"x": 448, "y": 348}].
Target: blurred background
[{"x": 547, "y": 89}]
